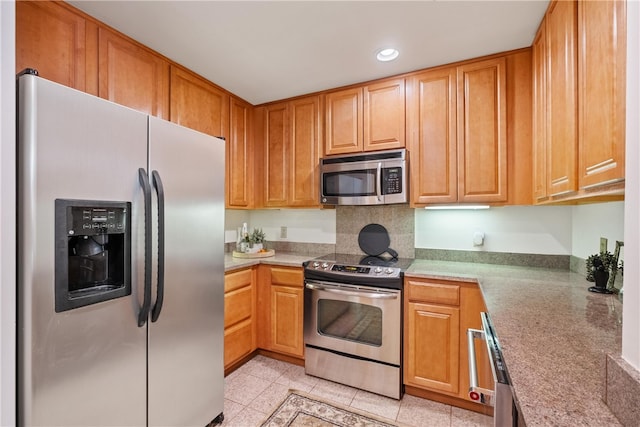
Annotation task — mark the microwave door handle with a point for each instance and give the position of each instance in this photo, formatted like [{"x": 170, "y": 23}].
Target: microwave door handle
[{"x": 379, "y": 181}]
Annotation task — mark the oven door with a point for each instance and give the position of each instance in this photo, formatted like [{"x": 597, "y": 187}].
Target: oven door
[{"x": 360, "y": 321}]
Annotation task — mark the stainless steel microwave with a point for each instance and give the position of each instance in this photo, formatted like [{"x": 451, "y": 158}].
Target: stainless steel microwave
[{"x": 376, "y": 178}]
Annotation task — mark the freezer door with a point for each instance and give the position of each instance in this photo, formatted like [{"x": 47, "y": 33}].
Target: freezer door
[
  {"x": 84, "y": 366},
  {"x": 186, "y": 372}
]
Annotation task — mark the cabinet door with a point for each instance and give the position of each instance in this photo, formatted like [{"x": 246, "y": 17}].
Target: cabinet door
[
  {"x": 601, "y": 74},
  {"x": 539, "y": 115},
  {"x": 562, "y": 140},
  {"x": 286, "y": 320},
  {"x": 131, "y": 75},
  {"x": 239, "y": 156},
  {"x": 276, "y": 129},
  {"x": 343, "y": 122},
  {"x": 198, "y": 104},
  {"x": 482, "y": 131},
  {"x": 432, "y": 347},
  {"x": 384, "y": 115},
  {"x": 431, "y": 104},
  {"x": 304, "y": 116},
  {"x": 60, "y": 44}
]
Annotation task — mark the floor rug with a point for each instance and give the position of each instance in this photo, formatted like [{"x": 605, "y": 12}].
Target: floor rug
[{"x": 302, "y": 410}]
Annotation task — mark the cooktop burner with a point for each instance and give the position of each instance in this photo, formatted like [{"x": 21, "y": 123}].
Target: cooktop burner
[{"x": 350, "y": 259}]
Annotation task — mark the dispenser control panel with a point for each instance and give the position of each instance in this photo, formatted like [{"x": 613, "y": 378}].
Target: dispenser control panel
[{"x": 96, "y": 220}]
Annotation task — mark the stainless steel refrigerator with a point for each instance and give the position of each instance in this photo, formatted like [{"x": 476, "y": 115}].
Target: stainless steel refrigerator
[{"x": 120, "y": 265}]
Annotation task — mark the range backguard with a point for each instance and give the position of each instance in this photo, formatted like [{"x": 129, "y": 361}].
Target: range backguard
[{"x": 93, "y": 252}]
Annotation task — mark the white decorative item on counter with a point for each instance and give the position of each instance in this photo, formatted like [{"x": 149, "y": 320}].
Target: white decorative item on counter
[
  {"x": 251, "y": 245},
  {"x": 264, "y": 254}
]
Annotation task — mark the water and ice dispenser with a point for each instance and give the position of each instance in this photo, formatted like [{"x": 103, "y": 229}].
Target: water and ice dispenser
[{"x": 93, "y": 252}]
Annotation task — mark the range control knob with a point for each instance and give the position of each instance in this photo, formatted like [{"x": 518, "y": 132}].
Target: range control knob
[
  {"x": 316, "y": 264},
  {"x": 377, "y": 270},
  {"x": 389, "y": 270},
  {"x": 325, "y": 265}
]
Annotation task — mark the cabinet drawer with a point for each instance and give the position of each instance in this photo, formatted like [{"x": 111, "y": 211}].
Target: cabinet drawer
[
  {"x": 237, "y": 306},
  {"x": 286, "y": 277},
  {"x": 237, "y": 342},
  {"x": 438, "y": 293},
  {"x": 237, "y": 279}
]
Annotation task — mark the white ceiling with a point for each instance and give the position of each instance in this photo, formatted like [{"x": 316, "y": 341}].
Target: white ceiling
[{"x": 263, "y": 51}]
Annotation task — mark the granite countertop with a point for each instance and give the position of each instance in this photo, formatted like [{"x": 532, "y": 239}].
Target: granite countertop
[
  {"x": 554, "y": 334},
  {"x": 280, "y": 258}
]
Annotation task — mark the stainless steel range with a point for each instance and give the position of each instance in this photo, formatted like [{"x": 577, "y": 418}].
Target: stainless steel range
[{"x": 353, "y": 321}]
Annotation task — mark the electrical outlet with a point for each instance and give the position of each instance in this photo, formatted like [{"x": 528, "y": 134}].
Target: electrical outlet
[{"x": 283, "y": 232}]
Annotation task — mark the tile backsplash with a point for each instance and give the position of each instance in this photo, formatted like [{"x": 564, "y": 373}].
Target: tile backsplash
[{"x": 397, "y": 219}]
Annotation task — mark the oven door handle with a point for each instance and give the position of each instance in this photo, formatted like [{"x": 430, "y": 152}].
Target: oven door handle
[{"x": 321, "y": 286}]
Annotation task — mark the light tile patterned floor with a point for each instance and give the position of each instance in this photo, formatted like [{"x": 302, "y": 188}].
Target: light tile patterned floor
[{"x": 254, "y": 390}]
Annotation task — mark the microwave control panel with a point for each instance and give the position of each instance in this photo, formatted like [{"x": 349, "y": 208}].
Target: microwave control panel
[{"x": 392, "y": 180}]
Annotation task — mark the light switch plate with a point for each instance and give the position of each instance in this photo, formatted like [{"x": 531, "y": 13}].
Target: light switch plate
[{"x": 603, "y": 244}]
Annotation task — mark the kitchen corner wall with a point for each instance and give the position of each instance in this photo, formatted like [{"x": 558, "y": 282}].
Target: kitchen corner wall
[{"x": 549, "y": 230}]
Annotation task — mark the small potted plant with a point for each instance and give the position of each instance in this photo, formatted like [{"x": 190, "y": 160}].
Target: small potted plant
[
  {"x": 599, "y": 267},
  {"x": 257, "y": 240}
]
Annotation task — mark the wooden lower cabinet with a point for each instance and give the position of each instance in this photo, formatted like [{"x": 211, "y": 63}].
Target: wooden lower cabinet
[
  {"x": 281, "y": 302},
  {"x": 286, "y": 319},
  {"x": 437, "y": 314},
  {"x": 239, "y": 315},
  {"x": 432, "y": 347}
]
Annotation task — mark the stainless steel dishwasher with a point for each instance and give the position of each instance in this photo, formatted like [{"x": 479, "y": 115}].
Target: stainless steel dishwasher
[{"x": 505, "y": 411}]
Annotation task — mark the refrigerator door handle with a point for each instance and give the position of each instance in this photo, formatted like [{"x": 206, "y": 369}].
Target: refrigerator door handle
[
  {"x": 157, "y": 183},
  {"x": 146, "y": 302}
]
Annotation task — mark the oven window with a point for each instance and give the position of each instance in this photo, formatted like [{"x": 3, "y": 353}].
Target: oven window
[
  {"x": 355, "y": 183},
  {"x": 350, "y": 321}
]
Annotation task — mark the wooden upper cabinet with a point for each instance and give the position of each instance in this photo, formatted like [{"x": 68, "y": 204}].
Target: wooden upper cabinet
[
  {"x": 276, "y": 137},
  {"x": 384, "y": 115},
  {"x": 198, "y": 104},
  {"x": 132, "y": 75},
  {"x": 304, "y": 151},
  {"x": 601, "y": 79},
  {"x": 431, "y": 124},
  {"x": 482, "y": 131},
  {"x": 59, "y": 43},
  {"x": 562, "y": 141},
  {"x": 343, "y": 122},
  {"x": 469, "y": 132},
  {"x": 292, "y": 133},
  {"x": 365, "y": 118},
  {"x": 239, "y": 156},
  {"x": 539, "y": 114}
]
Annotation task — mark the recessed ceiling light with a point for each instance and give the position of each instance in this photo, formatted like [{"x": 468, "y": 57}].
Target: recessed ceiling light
[{"x": 388, "y": 54}]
